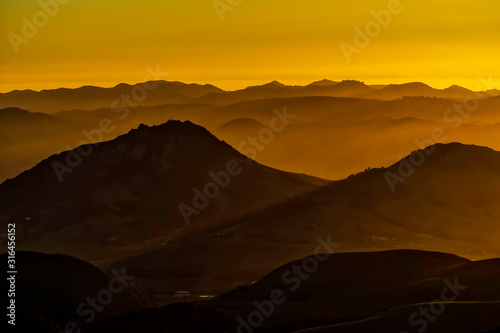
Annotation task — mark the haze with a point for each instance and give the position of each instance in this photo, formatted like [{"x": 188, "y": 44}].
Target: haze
[{"x": 106, "y": 42}]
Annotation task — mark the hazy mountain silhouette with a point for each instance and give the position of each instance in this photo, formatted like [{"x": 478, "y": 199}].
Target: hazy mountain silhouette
[
  {"x": 346, "y": 88},
  {"x": 355, "y": 122},
  {"x": 139, "y": 180},
  {"x": 324, "y": 82},
  {"x": 25, "y": 137},
  {"x": 90, "y": 97},
  {"x": 120, "y": 207},
  {"x": 432, "y": 200},
  {"x": 242, "y": 124},
  {"x": 22, "y": 126},
  {"x": 414, "y": 89},
  {"x": 11, "y": 116}
]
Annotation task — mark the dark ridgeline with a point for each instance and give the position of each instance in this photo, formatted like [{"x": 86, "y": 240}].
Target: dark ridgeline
[{"x": 386, "y": 287}]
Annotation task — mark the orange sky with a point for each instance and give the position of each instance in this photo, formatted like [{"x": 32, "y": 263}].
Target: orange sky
[{"x": 104, "y": 42}]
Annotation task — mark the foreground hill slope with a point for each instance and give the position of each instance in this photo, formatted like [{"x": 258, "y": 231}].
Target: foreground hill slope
[
  {"x": 343, "y": 292},
  {"x": 52, "y": 290},
  {"x": 444, "y": 189},
  {"x": 459, "y": 317},
  {"x": 374, "y": 292}
]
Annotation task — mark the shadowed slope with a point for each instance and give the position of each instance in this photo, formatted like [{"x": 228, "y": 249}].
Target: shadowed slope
[
  {"x": 121, "y": 205},
  {"x": 52, "y": 290}
]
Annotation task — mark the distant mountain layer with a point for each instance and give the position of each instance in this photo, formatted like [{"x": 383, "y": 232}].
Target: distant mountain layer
[
  {"x": 91, "y": 98},
  {"x": 164, "y": 92}
]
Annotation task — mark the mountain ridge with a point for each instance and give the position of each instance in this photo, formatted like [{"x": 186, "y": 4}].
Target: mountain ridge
[
  {"x": 120, "y": 206},
  {"x": 93, "y": 97}
]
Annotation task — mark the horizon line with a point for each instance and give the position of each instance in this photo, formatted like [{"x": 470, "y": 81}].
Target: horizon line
[{"x": 103, "y": 86}]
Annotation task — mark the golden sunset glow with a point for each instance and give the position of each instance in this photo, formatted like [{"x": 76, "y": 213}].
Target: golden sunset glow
[
  {"x": 244, "y": 166},
  {"x": 105, "y": 42}
]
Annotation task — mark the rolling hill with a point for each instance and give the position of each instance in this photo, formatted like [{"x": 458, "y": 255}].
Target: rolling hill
[
  {"x": 52, "y": 293},
  {"x": 401, "y": 291}
]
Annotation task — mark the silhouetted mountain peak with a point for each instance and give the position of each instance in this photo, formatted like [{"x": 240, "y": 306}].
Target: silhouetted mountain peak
[
  {"x": 13, "y": 110},
  {"x": 243, "y": 123},
  {"x": 459, "y": 153},
  {"x": 139, "y": 152},
  {"x": 353, "y": 83},
  {"x": 14, "y": 113},
  {"x": 456, "y": 87},
  {"x": 159, "y": 146},
  {"x": 416, "y": 85},
  {"x": 458, "y": 90},
  {"x": 274, "y": 84},
  {"x": 142, "y": 126},
  {"x": 439, "y": 159},
  {"x": 454, "y": 156},
  {"x": 324, "y": 82},
  {"x": 169, "y": 129}
]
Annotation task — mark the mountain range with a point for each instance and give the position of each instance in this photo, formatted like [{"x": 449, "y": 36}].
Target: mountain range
[
  {"x": 332, "y": 207},
  {"x": 345, "y": 134},
  {"x": 165, "y": 92},
  {"x": 118, "y": 203}
]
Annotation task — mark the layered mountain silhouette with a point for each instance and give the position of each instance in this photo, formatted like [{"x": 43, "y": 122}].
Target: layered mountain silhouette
[
  {"x": 18, "y": 116},
  {"x": 118, "y": 204},
  {"x": 125, "y": 195},
  {"x": 399, "y": 290},
  {"x": 352, "y": 124},
  {"x": 170, "y": 209},
  {"x": 90, "y": 97},
  {"x": 165, "y": 92}
]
